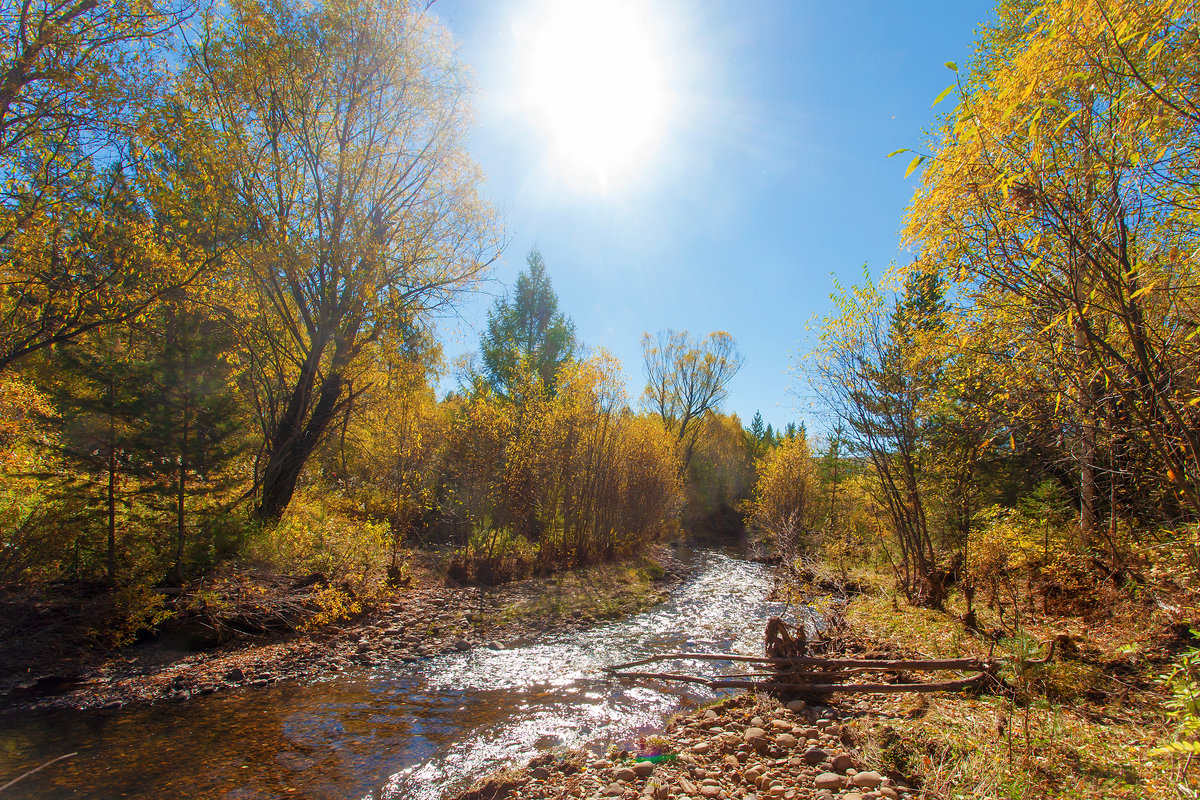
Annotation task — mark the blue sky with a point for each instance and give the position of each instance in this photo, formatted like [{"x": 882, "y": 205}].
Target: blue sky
[{"x": 767, "y": 175}]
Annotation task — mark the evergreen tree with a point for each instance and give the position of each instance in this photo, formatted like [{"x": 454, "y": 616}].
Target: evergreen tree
[
  {"x": 527, "y": 332},
  {"x": 96, "y": 390},
  {"x": 757, "y": 429},
  {"x": 187, "y": 438}
]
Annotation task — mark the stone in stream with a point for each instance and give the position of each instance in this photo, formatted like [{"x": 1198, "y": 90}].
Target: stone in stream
[
  {"x": 643, "y": 768},
  {"x": 842, "y": 762},
  {"x": 796, "y": 706},
  {"x": 786, "y": 741},
  {"x": 814, "y": 756},
  {"x": 828, "y": 780},
  {"x": 625, "y": 774}
]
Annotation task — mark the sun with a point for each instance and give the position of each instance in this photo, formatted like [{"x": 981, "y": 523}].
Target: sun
[{"x": 593, "y": 79}]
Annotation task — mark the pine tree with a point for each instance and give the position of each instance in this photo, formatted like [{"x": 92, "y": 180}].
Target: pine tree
[
  {"x": 97, "y": 394},
  {"x": 188, "y": 436},
  {"x": 527, "y": 332},
  {"x": 757, "y": 429}
]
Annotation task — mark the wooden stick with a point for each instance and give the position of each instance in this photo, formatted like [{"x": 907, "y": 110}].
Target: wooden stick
[
  {"x": 816, "y": 688},
  {"x": 854, "y": 688},
  {"x": 863, "y": 663},
  {"x": 25, "y": 775},
  {"x": 832, "y": 675}
]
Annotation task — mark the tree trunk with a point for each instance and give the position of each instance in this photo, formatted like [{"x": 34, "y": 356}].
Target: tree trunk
[{"x": 293, "y": 444}]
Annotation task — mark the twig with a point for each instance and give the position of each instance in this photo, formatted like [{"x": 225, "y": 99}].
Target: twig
[
  {"x": 817, "y": 688},
  {"x": 835, "y": 663},
  {"x": 25, "y": 775}
]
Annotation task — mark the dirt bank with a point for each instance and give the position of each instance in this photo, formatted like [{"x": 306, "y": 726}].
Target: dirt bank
[{"x": 419, "y": 622}]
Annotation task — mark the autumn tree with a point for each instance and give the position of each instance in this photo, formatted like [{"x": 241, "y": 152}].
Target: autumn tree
[
  {"x": 1061, "y": 194},
  {"x": 527, "y": 332},
  {"x": 79, "y": 80},
  {"x": 339, "y": 129},
  {"x": 686, "y": 379},
  {"x": 785, "y": 502},
  {"x": 876, "y": 371}
]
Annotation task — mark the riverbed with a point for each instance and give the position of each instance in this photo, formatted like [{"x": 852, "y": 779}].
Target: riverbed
[{"x": 399, "y": 730}]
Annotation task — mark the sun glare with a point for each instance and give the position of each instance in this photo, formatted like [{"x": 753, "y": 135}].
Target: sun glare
[{"x": 593, "y": 78}]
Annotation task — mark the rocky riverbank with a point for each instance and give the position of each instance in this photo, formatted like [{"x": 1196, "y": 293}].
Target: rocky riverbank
[
  {"x": 419, "y": 623},
  {"x": 746, "y": 747}
]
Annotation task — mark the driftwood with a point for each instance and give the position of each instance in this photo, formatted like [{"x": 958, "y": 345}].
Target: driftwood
[{"x": 788, "y": 666}]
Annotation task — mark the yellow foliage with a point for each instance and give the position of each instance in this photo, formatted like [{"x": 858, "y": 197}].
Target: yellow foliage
[
  {"x": 315, "y": 536},
  {"x": 784, "y": 500}
]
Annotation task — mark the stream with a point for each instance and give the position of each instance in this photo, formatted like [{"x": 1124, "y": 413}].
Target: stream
[{"x": 399, "y": 730}]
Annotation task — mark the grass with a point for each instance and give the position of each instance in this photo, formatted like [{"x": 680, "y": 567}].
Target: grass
[
  {"x": 1079, "y": 727},
  {"x": 601, "y": 591}
]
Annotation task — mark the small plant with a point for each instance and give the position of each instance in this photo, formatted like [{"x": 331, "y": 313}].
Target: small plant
[
  {"x": 334, "y": 604},
  {"x": 136, "y": 608},
  {"x": 1182, "y": 681}
]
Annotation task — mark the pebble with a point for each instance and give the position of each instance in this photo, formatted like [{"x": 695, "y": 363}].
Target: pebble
[
  {"x": 814, "y": 756},
  {"x": 842, "y": 762},
  {"x": 867, "y": 780},
  {"x": 828, "y": 780}
]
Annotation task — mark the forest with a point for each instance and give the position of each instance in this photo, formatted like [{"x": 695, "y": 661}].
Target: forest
[{"x": 226, "y": 240}]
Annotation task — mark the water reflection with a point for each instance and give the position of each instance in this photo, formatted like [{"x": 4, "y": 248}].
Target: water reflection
[{"x": 402, "y": 730}]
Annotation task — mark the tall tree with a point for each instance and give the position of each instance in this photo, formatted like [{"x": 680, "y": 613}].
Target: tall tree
[
  {"x": 527, "y": 332},
  {"x": 188, "y": 433},
  {"x": 877, "y": 371},
  {"x": 76, "y": 81},
  {"x": 686, "y": 379},
  {"x": 340, "y": 129},
  {"x": 1062, "y": 192}
]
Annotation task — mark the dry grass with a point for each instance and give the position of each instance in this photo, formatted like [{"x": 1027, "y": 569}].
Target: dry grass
[{"x": 1081, "y": 727}]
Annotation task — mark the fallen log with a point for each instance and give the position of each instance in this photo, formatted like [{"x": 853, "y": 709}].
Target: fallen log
[
  {"x": 919, "y": 665},
  {"x": 960, "y": 684}
]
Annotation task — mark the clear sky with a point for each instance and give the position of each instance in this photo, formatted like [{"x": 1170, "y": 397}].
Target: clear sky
[{"x": 702, "y": 165}]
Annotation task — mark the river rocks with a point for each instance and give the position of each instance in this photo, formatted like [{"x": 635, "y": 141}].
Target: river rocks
[
  {"x": 755, "y": 736},
  {"x": 842, "y": 762},
  {"x": 814, "y": 756},
  {"x": 796, "y": 706},
  {"x": 720, "y": 754},
  {"x": 828, "y": 780},
  {"x": 234, "y": 675},
  {"x": 867, "y": 780}
]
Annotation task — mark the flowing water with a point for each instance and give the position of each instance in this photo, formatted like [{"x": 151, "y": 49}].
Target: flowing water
[{"x": 398, "y": 731}]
